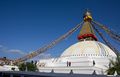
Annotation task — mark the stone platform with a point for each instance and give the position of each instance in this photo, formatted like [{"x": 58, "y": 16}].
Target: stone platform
[{"x": 41, "y": 74}]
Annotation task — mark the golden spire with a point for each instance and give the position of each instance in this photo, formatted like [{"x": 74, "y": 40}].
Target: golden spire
[{"x": 87, "y": 32}]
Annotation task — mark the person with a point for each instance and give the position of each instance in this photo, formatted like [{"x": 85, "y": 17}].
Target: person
[
  {"x": 69, "y": 64},
  {"x": 93, "y": 63}
]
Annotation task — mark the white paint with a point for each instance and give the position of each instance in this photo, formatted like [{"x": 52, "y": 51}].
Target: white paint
[
  {"x": 8, "y": 68},
  {"x": 81, "y": 55}
]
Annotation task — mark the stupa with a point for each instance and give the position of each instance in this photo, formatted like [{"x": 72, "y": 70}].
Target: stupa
[{"x": 86, "y": 56}]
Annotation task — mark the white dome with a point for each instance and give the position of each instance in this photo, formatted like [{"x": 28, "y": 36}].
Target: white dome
[{"x": 88, "y": 48}]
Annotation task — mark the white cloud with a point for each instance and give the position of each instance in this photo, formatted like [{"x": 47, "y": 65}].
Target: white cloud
[
  {"x": 45, "y": 55},
  {"x": 3, "y": 49},
  {"x": 16, "y": 51},
  {"x": 13, "y": 51},
  {"x": 20, "y": 53},
  {"x": 42, "y": 56}
]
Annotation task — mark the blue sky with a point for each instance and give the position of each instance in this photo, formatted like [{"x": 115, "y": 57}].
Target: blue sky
[{"x": 26, "y": 25}]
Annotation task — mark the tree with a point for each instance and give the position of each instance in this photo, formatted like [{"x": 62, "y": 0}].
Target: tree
[
  {"x": 22, "y": 67},
  {"x": 28, "y": 66},
  {"x": 31, "y": 66},
  {"x": 114, "y": 65}
]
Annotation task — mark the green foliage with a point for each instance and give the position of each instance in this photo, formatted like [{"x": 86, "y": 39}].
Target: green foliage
[
  {"x": 22, "y": 67},
  {"x": 31, "y": 66},
  {"x": 28, "y": 66},
  {"x": 114, "y": 66}
]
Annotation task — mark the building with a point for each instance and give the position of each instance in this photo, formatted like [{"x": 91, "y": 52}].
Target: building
[
  {"x": 5, "y": 66},
  {"x": 86, "y": 56}
]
